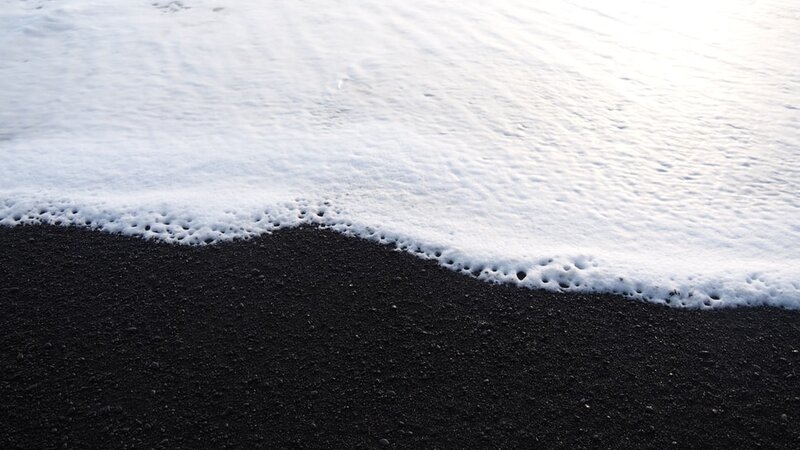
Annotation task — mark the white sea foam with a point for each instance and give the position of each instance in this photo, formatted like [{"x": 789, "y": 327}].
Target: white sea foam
[{"x": 650, "y": 148}]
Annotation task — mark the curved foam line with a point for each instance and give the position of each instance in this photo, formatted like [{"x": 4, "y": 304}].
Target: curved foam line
[{"x": 582, "y": 273}]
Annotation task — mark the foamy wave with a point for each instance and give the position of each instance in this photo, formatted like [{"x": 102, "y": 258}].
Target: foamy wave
[{"x": 649, "y": 148}]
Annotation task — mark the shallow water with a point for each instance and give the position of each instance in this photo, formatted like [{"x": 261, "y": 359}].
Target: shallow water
[{"x": 644, "y": 147}]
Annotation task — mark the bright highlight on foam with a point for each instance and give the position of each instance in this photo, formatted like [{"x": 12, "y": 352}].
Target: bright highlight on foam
[{"x": 628, "y": 147}]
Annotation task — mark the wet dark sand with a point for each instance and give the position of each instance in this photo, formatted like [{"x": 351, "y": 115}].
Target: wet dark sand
[{"x": 307, "y": 338}]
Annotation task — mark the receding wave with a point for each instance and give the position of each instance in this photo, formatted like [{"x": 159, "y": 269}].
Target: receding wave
[{"x": 646, "y": 148}]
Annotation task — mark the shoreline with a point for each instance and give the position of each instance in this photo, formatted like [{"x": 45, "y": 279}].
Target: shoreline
[{"x": 308, "y": 338}]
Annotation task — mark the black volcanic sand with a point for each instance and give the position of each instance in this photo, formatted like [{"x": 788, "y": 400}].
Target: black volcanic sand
[{"x": 307, "y": 338}]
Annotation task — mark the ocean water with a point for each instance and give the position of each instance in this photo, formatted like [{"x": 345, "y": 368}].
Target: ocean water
[{"x": 649, "y": 148}]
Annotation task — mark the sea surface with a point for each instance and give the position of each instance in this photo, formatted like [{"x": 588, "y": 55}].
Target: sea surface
[{"x": 649, "y": 148}]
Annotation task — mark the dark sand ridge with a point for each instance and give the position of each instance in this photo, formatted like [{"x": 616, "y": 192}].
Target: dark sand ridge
[{"x": 307, "y": 338}]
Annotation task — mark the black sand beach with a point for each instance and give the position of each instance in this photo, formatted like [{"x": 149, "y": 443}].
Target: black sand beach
[{"x": 307, "y": 338}]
